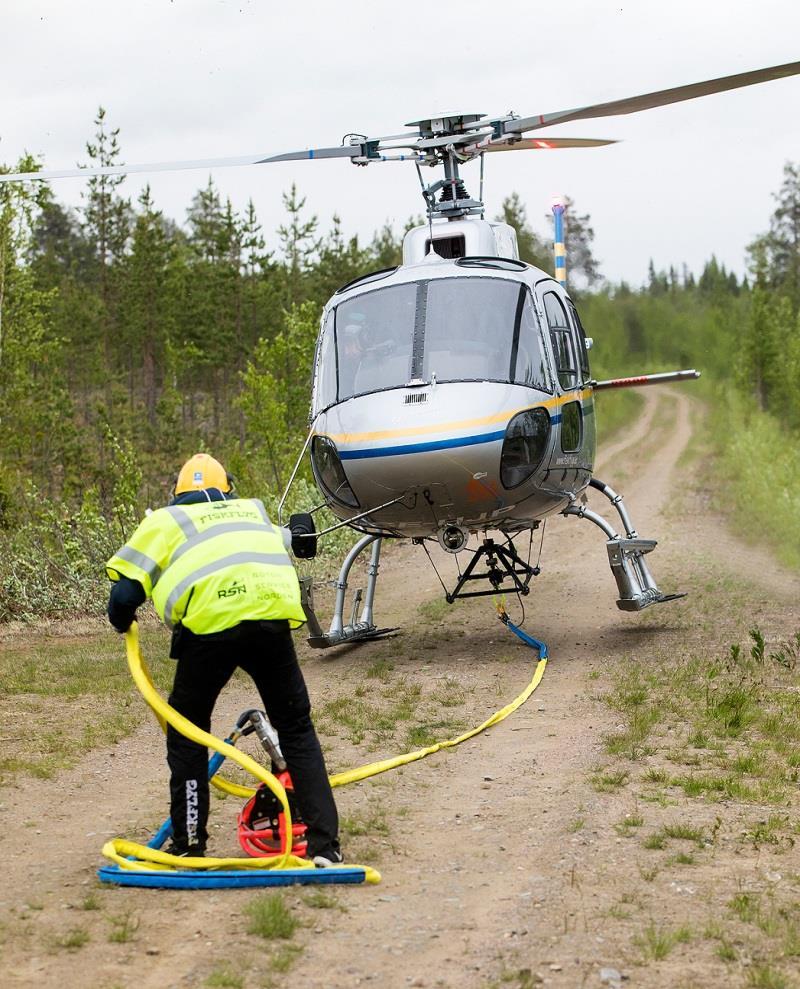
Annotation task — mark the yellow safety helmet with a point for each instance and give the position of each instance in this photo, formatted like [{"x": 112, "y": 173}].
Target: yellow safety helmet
[{"x": 202, "y": 471}]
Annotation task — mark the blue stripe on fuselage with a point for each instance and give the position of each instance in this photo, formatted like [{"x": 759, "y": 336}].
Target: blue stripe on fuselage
[{"x": 399, "y": 451}]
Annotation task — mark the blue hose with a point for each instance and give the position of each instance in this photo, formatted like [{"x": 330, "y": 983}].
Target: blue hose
[
  {"x": 528, "y": 639},
  {"x": 229, "y": 878},
  {"x": 224, "y": 878}
]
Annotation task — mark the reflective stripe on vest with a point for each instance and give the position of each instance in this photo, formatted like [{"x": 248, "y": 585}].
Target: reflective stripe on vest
[
  {"x": 187, "y": 527},
  {"x": 209, "y": 585},
  {"x": 143, "y": 562},
  {"x": 271, "y": 559},
  {"x": 212, "y": 533}
]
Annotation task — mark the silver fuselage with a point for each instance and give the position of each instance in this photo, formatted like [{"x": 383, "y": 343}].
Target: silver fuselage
[{"x": 437, "y": 442}]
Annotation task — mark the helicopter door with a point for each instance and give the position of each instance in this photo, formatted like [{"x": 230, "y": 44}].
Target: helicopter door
[
  {"x": 589, "y": 428},
  {"x": 563, "y": 340},
  {"x": 575, "y": 439}
]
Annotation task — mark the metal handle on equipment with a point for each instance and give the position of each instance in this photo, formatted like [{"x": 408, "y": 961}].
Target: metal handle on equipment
[{"x": 268, "y": 738}]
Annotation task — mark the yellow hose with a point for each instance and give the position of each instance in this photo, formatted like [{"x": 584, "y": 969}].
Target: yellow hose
[
  {"x": 150, "y": 858},
  {"x": 384, "y": 765},
  {"x": 121, "y": 851},
  {"x": 374, "y": 768}
]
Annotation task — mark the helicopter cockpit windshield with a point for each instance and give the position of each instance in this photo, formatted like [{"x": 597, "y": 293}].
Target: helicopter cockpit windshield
[{"x": 443, "y": 329}]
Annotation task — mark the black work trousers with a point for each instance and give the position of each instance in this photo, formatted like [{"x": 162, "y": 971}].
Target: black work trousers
[{"x": 265, "y": 651}]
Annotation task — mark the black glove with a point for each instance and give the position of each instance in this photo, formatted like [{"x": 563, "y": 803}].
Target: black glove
[
  {"x": 303, "y": 525},
  {"x": 126, "y": 596}
]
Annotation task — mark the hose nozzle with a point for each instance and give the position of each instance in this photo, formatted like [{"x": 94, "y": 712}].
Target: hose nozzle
[{"x": 268, "y": 738}]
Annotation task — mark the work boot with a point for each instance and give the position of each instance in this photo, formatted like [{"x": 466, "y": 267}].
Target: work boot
[
  {"x": 182, "y": 850},
  {"x": 327, "y": 858}
]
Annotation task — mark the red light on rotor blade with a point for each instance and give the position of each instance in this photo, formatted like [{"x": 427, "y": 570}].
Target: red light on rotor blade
[{"x": 543, "y": 144}]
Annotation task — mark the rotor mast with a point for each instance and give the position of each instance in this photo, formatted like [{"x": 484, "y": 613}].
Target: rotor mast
[{"x": 439, "y": 142}]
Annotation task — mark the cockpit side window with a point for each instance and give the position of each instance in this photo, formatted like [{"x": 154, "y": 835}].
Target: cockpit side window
[
  {"x": 580, "y": 334},
  {"x": 325, "y": 385},
  {"x": 563, "y": 341}
]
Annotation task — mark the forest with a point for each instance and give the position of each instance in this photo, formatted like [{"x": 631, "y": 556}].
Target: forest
[{"x": 129, "y": 340}]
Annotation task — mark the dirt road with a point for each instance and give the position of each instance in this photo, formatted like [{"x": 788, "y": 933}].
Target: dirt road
[{"x": 504, "y": 862}]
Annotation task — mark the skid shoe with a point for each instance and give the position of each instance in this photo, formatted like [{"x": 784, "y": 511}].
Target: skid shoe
[{"x": 626, "y": 554}]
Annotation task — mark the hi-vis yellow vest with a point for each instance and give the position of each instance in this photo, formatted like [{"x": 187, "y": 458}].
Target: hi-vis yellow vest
[{"x": 210, "y": 566}]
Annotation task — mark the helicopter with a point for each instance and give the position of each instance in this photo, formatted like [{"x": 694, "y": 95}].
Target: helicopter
[{"x": 451, "y": 399}]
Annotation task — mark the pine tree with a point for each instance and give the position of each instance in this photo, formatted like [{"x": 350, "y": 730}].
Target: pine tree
[
  {"x": 759, "y": 360},
  {"x": 386, "y": 248},
  {"x": 206, "y": 221},
  {"x": 59, "y": 248},
  {"x": 532, "y": 247},
  {"x": 716, "y": 282},
  {"x": 214, "y": 315},
  {"x": 36, "y": 438},
  {"x": 299, "y": 245},
  {"x": 783, "y": 240},
  {"x": 340, "y": 261},
  {"x": 146, "y": 303},
  {"x": 106, "y": 225}
]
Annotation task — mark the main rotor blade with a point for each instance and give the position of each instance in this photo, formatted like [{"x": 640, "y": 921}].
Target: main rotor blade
[
  {"x": 649, "y": 101},
  {"x": 548, "y": 143},
  {"x": 346, "y": 151}
]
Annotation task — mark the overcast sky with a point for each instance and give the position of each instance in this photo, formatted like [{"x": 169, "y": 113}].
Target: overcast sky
[{"x": 200, "y": 78}]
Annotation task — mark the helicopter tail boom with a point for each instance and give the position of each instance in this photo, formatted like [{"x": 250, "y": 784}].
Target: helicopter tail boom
[{"x": 662, "y": 377}]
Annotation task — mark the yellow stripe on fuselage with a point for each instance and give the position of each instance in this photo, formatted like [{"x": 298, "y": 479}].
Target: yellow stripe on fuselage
[{"x": 446, "y": 427}]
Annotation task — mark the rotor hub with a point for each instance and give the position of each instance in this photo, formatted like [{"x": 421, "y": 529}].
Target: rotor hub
[{"x": 445, "y": 123}]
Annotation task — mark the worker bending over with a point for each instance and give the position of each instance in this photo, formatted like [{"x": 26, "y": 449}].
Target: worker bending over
[{"x": 220, "y": 577}]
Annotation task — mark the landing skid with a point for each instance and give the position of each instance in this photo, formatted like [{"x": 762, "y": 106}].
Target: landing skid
[
  {"x": 361, "y": 630},
  {"x": 626, "y": 555}
]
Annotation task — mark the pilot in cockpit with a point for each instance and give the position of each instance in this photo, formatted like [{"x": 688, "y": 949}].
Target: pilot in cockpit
[
  {"x": 368, "y": 357},
  {"x": 354, "y": 340},
  {"x": 362, "y": 356}
]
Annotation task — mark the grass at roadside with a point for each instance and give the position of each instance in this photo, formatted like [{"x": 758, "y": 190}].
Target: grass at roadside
[
  {"x": 61, "y": 696},
  {"x": 760, "y": 464},
  {"x": 728, "y": 727},
  {"x": 616, "y": 410},
  {"x": 707, "y": 749}
]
